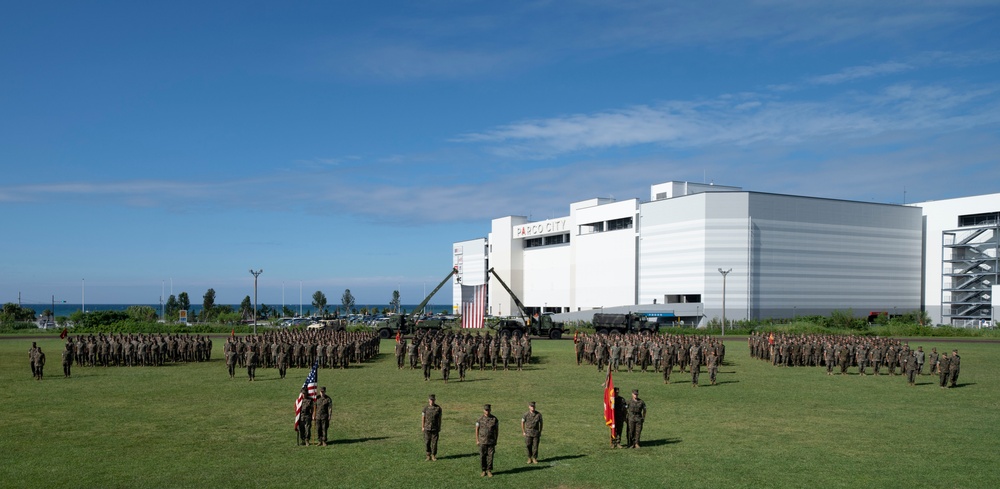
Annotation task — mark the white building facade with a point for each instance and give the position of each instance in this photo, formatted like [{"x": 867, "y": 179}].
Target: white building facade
[
  {"x": 784, "y": 256},
  {"x": 960, "y": 263}
]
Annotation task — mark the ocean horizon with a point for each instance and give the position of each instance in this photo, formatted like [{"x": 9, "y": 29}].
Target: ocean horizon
[{"x": 63, "y": 309}]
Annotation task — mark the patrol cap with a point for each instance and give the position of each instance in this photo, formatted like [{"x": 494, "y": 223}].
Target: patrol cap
[
  {"x": 635, "y": 391},
  {"x": 487, "y": 407},
  {"x": 532, "y": 403},
  {"x": 431, "y": 397},
  {"x": 322, "y": 389}
]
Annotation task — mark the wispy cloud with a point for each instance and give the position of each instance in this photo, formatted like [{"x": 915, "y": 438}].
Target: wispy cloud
[
  {"x": 747, "y": 119},
  {"x": 928, "y": 59},
  {"x": 423, "y": 44}
]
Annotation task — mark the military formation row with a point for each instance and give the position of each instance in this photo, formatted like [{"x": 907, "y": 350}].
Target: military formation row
[
  {"x": 659, "y": 353},
  {"x": 284, "y": 349},
  {"x": 861, "y": 352},
  {"x": 124, "y": 350},
  {"x": 440, "y": 350}
]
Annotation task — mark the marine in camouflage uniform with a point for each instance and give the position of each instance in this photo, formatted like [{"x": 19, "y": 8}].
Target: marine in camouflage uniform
[
  {"x": 636, "y": 416},
  {"x": 531, "y": 429},
  {"x": 487, "y": 429},
  {"x": 430, "y": 426},
  {"x": 322, "y": 410}
]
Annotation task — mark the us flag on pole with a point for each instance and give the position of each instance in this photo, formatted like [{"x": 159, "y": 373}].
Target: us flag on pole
[
  {"x": 473, "y": 306},
  {"x": 310, "y": 386}
]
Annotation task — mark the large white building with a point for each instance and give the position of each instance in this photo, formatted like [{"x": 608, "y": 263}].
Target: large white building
[{"x": 782, "y": 255}]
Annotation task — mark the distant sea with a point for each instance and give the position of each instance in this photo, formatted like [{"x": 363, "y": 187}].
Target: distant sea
[{"x": 67, "y": 309}]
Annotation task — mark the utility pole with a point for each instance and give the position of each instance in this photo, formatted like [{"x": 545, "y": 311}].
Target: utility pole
[
  {"x": 255, "y": 273},
  {"x": 724, "y": 273}
]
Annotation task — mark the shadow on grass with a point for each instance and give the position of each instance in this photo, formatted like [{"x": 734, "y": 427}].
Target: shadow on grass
[
  {"x": 518, "y": 470},
  {"x": 959, "y": 386},
  {"x": 467, "y": 380},
  {"x": 356, "y": 440},
  {"x": 561, "y": 457},
  {"x": 659, "y": 443},
  {"x": 718, "y": 383},
  {"x": 460, "y": 455}
]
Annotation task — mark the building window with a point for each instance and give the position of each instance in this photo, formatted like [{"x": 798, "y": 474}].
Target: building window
[
  {"x": 556, "y": 239},
  {"x": 623, "y": 223},
  {"x": 532, "y": 242},
  {"x": 988, "y": 219},
  {"x": 594, "y": 227}
]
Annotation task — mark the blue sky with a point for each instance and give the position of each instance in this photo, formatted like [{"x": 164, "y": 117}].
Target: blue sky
[{"x": 347, "y": 145}]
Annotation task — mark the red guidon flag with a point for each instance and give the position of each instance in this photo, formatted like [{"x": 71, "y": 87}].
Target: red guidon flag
[
  {"x": 64, "y": 334},
  {"x": 609, "y": 403}
]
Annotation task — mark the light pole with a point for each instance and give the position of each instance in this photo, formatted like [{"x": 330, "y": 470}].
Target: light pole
[
  {"x": 724, "y": 273},
  {"x": 255, "y": 274}
]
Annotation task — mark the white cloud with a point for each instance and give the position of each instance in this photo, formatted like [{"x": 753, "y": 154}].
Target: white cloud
[
  {"x": 514, "y": 38},
  {"x": 685, "y": 124}
]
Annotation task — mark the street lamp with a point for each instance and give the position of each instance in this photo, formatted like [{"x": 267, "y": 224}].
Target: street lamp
[
  {"x": 724, "y": 273},
  {"x": 255, "y": 274}
]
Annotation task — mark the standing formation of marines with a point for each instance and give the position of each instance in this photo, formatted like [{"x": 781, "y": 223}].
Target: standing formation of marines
[
  {"x": 655, "y": 353},
  {"x": 432, "y": 350},
  {"x": 298, "y": 349},
  {"x": 134, "y": 350},
  {"x": 869, "y": 355}
]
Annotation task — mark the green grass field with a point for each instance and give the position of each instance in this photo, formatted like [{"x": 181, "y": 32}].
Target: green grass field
[{"x": 191, "y": 426}]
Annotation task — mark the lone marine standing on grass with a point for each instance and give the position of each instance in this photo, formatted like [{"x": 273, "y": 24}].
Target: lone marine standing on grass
[
  {"x": 531, "y": 429},
  {"x": 636, "y": 416},
  {"x": 430, "y": 424},
  {"x": 487, "y": 428}
]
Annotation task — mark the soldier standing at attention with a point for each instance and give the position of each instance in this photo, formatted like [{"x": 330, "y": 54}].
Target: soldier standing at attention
[
  {"x": 695, "y": 354},
  {"x": 910, "y": 367},
  {"x": 943, "y": 365},
  {"x": 487, "y": 428},
  {"x": 430, "y": 425},
  {"x": 932, "y": 360},
  {"x": 920, "y": 360},
  {"x": 39, "y": 363},
  {"x": 411, "y": 352},
  {"x": 67, "y": 359},
  {"x": 400, "y": 353},
  {"x": 282, "y": 361},
  {"x": 953, "y": 368},
  {"x": 322, "y": 410},
  {"x": 231, "y": 355},
  {"x": 305, "y": 418},
  {"x": 531, "y": 428},
  {"x": 712, "y": 362},
  {"x": 32, "y": 356},
  {"x": 425, "y": 361},
  {"x": 636, "y": 415},
  {"x": 251, "y": 361}
]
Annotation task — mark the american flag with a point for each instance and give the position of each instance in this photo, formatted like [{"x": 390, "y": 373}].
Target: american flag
[
  {"x": 473, "y": 306},
  {"x": 310, "y": 386}
]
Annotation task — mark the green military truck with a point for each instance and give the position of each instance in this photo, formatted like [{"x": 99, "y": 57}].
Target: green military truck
[
  {"x": 407, "y": 324},
  {"x": 623, "y": 323},
  {"x": 540, "y": 325}
]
